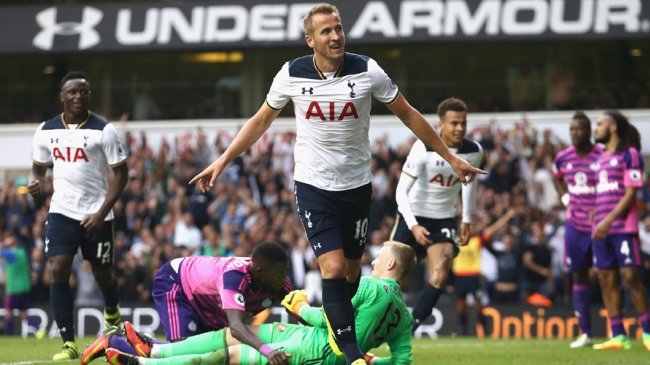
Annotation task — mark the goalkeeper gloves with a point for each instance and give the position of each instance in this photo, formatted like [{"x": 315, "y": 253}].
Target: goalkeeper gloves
[{"x": 294, "y": 302}]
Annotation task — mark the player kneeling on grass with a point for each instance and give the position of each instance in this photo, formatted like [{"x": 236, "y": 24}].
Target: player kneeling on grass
[
  {"x": 199, "y": 294},
  {"x": 381, "y": 317}
]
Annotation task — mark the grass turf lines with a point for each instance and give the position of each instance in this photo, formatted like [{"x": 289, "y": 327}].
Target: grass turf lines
[{"x": 452, "y": 351}]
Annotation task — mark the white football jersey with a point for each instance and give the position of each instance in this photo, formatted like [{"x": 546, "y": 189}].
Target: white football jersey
[
  {"x": 332, "y": 150},
  {"x": 436, "y": 185},
  {"x": 80, "y": 158}
]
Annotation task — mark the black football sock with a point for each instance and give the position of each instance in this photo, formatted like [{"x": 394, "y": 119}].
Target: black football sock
[
  {"x": 62, "y": 306},
  {"x": 340, "y": 314},
  {"x": 427, "y": 300}
]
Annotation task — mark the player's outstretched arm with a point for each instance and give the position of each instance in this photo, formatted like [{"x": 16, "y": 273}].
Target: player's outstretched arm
[
  {"x": 244, "y": 335},
  {"x": 401, "y": 351},
  {"x": 248, "y": 134},
  {"x": 297, "y": 304},
  {"x": 425, "y": 132}
]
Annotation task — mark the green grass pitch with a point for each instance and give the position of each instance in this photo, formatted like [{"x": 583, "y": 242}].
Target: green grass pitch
[{"x": 443, "y": 351}]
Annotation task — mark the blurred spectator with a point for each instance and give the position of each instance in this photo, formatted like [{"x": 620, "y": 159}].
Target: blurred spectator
[
  {"x": 39, "y": 277},
  {"x": 537, "y": 274},
  {"x": 18, "y": 282},
  {"x": 87, "y": 291},
  {"x": 504, "y": 173},
  {"x": 186, "y": 234},
  {"x": 132, "y": 279},
  {"x": 212, "y": 244},
  {"x": 506, "y": 288}
]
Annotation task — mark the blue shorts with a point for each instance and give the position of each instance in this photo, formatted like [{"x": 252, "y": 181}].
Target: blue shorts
[
  {"x": 334, "y": 219},
  {"x": 64, "y": 236},
  {"x": 17, "y": 301},
  {"x": 177, "y": 316},
  {"x": 578, "y": 251},
  {"x": 616, "y": 251},
  {"x": 440, "y": 231}
]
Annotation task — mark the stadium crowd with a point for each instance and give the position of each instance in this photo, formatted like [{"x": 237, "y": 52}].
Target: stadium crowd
[{"x": 160, "y": 216}]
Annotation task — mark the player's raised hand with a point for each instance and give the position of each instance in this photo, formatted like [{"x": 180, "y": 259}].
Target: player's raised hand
[
  {"x": 421, "y": 235},
  {"x": 207, "y": 177},
  {"x": 34, "y": 188},
  {"x": 464, "y": 170}
]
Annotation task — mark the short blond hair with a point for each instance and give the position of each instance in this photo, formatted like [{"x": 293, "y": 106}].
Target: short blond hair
[
  {"x": 323, "y": 8},
  {"x": 404, "y": 256}
]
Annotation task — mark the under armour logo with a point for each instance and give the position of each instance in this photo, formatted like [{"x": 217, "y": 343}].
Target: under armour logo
[
  {"x": 52, "y": 140},
  {"x": 86, "y": 141},
  {"x": 440, "y": 163},
  {"x": 309, "y": 90},
  {"x": 351, "y": 86},
  {"x": 339, "y": 331},
  {"x": 317, "y": 246},
  {"x": 88, "y": 36}
]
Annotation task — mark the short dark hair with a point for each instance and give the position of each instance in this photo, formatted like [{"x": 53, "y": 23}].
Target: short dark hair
[
  {"x": 583, "y": 118},
  {"x": 453, "y": 104},
  {"x": 73, "y": 75},
  {"x": 323, "y": 8},
  {"x": 269, "y": 251}
]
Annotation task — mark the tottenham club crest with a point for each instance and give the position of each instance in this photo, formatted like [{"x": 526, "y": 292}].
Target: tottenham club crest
[{"x": 351, "y": 86}]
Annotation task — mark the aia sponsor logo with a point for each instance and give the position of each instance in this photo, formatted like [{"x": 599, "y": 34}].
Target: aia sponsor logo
[
  {"x": 442, "y": 180},
  {"x": 331, "y": 111},
  {"x": 70, "y": 154}
]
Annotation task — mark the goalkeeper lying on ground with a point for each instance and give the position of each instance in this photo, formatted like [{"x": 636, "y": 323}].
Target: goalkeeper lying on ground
[{"x": 381, "y": 317}]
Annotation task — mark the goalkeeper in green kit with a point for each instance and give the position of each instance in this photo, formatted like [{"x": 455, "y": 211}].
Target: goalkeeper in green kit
[{"x": 381, "y": 316}]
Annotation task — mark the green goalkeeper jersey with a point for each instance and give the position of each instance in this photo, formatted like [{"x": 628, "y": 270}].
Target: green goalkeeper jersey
[
  {"x": 17, "y": 270},
  {"x": 381, "y": 316}
]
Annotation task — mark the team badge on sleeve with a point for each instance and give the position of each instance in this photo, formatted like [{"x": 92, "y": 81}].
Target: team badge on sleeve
[
  {"x": 239, "y": 299},
  {"x": 633, "y": 178}
]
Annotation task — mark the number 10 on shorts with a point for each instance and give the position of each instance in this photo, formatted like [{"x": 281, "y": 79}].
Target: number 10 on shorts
[{"x": 361, "y": 231}]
